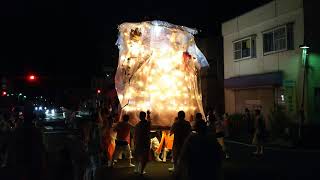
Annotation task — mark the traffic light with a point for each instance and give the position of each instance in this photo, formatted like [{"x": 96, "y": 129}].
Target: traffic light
[
  {"x": 3, "y": 93},
  {"x": 32, "y": 77},
  {"x": 98, "y": 91}
]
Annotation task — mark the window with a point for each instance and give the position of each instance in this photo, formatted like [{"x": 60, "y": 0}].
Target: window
[
  {"x": 244, "y": 48},
  {"x": 278, "y": 39},
  {"x": 317, "y": 99}
]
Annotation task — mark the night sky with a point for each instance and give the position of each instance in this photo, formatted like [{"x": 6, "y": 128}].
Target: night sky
[{"x": 74, "y": 38}]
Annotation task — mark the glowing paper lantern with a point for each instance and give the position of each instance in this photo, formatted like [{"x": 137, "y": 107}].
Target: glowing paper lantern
[{"x": 159, "y": 70}]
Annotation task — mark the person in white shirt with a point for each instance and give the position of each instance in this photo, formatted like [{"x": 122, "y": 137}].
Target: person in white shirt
[{"x": 154, "y": 145}]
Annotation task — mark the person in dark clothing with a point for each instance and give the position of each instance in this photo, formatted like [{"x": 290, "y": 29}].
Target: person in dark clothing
[
  {"x": 211, "y": 119},
  {"x": 93, "y": 149},
  {"x": 249, "y": 120},
  {"x": 26, "y": 150},
  {"x": 78, "y": 155},
  {"x": 142, "y": 143},
  {"x": 198, "y": 118},
  {"x": 259, "y": 134},
  {"x": 200, "y": 142},
  {"x": 181, "y": 130}
]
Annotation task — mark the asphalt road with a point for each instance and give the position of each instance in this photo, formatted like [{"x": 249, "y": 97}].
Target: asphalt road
[{"x": 276, "y": 164}]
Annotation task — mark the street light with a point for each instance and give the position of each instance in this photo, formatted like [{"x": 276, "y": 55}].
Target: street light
[
  {"x": 305, "y": 71},
  {"x": 304, "y": 47},
  {"x": 304, "y": 53}
]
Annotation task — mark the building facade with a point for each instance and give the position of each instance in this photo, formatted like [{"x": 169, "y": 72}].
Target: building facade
[{"x": 263, "y": 62}]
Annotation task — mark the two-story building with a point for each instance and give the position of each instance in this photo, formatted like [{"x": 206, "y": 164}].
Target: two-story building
[{"x": 264, "y": 63}]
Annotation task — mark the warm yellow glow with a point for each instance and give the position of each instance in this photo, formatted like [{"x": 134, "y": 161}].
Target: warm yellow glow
[{"x": 157, "y": 73}]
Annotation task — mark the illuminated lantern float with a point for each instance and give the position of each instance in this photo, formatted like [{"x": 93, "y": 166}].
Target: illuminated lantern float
[{"x": 159, "y": 70}]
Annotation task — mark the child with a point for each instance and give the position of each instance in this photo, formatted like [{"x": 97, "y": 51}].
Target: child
[{"x": 154, "y": 143}]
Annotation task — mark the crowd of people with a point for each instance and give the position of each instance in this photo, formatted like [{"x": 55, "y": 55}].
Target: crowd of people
[
  {"x": 106, "y": 142},
  {"x": 22, "y": 149},
  {"x": 185, "y": 141},
  {"x": 197, "y": 148},
  {"x": 123, "y": 140}
]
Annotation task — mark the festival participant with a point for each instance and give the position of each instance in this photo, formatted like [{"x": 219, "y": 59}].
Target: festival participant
[
  {"x": 123, "y": 139},
  {"x": 259, "y": 133},
  {"x": 190, "y": 166},
  {"x": 181, "y": 129},
  {"x": 166, "y": 144},
  {"x": 220, "y": 134},
  {"x": 154, "y": 145},
  {"x": 142, "y": 143},
  {"x": 108, "y": 139}
]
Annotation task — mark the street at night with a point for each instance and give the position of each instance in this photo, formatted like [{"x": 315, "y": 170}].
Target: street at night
[
  {"x": 159, "y": 90},
  {"x": 276, "y": 164}
]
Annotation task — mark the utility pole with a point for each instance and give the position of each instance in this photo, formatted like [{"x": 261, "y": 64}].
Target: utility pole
[{"x": 305, "y": 75}]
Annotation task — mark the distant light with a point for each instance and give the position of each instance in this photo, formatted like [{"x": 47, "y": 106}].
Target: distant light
[
  {"x": 282, "y": 97},
  {"x": 4, "y": 93},
  {"x": 45, "y": 107},
  {"x": 24, "y": 96},
  {"x": 52, "y": 111},
  {"x": 98, "y": 91},
  {"x": 8, "y": 94},
  {"x": 32, "y": 77},
  {"x": 20, "y": 94},
  {"x": 40, "y": 108},
  {"x": 36, "y": 108},
  {"x": 47, "y": 111}
]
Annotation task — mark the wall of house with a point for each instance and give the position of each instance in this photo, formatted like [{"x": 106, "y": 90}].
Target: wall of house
[{"x": 254, "y": 23}]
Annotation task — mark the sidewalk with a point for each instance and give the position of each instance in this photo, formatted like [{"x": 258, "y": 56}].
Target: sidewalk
[{"x": 307, "y": 144}]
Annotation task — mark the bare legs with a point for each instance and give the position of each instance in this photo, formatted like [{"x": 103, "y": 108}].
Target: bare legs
[
  {"x": 222, "y": 144},
  {"x": 259, "y": 150}
]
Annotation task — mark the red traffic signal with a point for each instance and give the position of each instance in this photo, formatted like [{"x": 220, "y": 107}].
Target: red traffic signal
[
  {"x": 4, "y": 93},
  {"x": 98, "y": 91},
  {"x": 32, "y": 77}
]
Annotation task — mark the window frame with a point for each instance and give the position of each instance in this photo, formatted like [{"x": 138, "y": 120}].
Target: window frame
[
  {"x": 274, "y": 42},
  {"x": 240, "y": 40}
]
